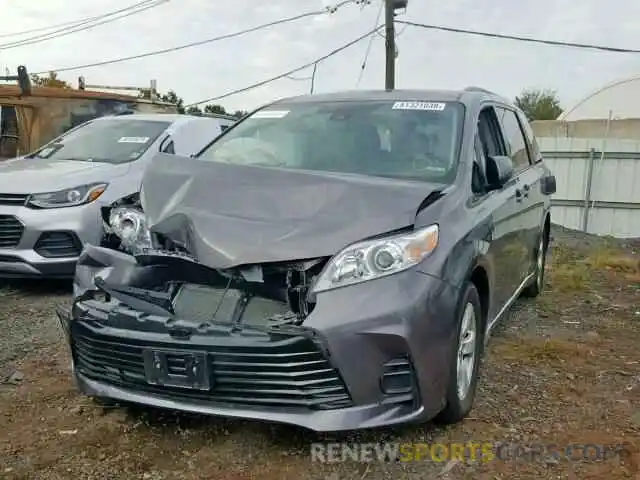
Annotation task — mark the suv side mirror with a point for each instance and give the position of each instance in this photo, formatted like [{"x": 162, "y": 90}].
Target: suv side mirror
[
  {"x": 548, "y": 184},
  {"x": 499, "y": 171}
]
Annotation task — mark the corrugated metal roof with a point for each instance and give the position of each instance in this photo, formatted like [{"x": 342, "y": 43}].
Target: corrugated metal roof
[{"x": 70, "y": 93}]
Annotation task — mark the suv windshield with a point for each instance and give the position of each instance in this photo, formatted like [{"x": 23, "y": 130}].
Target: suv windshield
[
  {"x": 112, "y": 141},
  {"x": 413, "y": 140}
]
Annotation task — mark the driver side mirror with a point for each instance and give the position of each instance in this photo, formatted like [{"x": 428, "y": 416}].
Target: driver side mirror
[{"x": 499, "y": 171}]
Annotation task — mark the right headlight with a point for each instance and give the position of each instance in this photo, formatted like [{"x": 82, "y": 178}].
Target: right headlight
[
  {"x": 368, "y": 260},
  {"x": 130, "y": 226}
]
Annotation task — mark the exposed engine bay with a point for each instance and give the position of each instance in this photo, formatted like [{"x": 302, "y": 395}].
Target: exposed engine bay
[{"x": 261, "y": 295}]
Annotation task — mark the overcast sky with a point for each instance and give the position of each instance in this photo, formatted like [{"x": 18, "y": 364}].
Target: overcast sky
[{"x": 427, "y": 59}]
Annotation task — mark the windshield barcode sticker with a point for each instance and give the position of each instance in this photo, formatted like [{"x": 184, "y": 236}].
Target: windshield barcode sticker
[
  {"x": 133, "y": 140},
  {"x": 431, "y": 106},
  {"x": 270, "y": 114}
]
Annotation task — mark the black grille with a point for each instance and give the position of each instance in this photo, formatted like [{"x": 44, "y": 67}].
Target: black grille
[
  {"x": 398, "y": 377},
  {"x": 10, "y": 231},
  {"x": 13, "y": 199},
  {"x": 58, "y": 244},
  {"x": 288, "y": 373}
]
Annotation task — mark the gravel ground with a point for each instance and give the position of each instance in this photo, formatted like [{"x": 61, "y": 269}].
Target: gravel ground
[{"x": 563, "y": 369}]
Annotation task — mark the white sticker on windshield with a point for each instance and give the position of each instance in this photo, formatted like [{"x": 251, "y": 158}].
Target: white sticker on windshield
[
  {"x": 270, "y": 114},
  {"x": 431, "y": 106},
  {"x": 133, "y": 140}
]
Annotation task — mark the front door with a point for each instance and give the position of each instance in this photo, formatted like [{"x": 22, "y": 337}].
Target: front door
[
  {"x": 505, "y": 248},
  {"x": 528, "y": 195}
]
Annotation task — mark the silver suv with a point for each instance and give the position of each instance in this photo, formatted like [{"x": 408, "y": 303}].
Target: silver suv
[{"x": 50, "y": 200}]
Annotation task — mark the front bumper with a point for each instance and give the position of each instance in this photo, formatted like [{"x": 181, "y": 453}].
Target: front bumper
[
  {"x": 45, "y": 243},
  {"x": 368, "y": 355}
]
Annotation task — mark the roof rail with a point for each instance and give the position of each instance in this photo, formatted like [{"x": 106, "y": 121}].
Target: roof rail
[{"x": 478, "y": 89}]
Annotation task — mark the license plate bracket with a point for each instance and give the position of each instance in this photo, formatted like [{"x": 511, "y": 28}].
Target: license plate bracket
[{"x": 179, "y": 369}]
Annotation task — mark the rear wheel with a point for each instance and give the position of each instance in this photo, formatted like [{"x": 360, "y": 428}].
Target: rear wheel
[
  {"x": 463, "y": 370},
  {"x": 536, "y": 287}
]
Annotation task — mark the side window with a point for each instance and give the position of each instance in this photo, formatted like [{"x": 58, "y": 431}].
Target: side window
[
  {"x": 515, "y": 140},
  {"x": 169, "y": 148},
  {"x": 488, "y": 143},
  {"x": 534, "y": 149}
]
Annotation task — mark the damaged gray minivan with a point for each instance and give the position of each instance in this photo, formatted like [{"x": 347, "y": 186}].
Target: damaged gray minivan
[{"x": 331, "y": 261}]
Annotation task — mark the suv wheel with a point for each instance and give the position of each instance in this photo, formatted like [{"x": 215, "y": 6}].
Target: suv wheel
[
  {"x": 465, "y": 361},
  {"x": 536, "y": 287}
]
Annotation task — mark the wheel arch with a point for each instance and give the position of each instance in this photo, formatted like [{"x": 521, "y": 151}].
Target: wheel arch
[{"x": 479, "y": 277}]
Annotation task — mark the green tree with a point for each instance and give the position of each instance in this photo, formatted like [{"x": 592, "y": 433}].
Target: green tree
[
  {"x": 215, "y": 109},
  {"x": 51, "y": 80},
  {"x": 193, "y": 110},
  {"x": 172, "y": 97},
  {"x": 539, "y": 104},
  {"x": 220, "y": 110}
]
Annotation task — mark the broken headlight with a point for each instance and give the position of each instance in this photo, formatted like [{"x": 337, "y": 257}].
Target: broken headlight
[
  {"x": 130, "y": 226},
  {"x": 377, "y": 258}
]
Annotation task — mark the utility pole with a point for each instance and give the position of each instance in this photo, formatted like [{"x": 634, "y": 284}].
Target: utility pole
[
  {"x": 313, "y": 77},
  {"x": 390, "y": 44}
]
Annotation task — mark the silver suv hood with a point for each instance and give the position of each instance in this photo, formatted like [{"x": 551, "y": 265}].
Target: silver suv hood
[{"x": 36, "y": 175}]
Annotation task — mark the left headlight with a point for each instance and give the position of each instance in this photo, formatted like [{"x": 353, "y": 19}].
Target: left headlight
[
  {"x": 70, "y": 197},
  {"x": 130, "y": 226},
  {"x": 377, "y": 258}
]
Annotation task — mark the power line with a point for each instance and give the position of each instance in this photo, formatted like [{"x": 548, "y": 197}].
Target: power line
[
  {"x": 303, "y": 79},
  {"x": 71, "y": 22},
  {"x": 330, "y": 10},
  {"x": 369, "y": 45},
  {"x": 287, "y": 73},
  {"x": 146, "y": 5},
  {"x": 518, "y": 38}
]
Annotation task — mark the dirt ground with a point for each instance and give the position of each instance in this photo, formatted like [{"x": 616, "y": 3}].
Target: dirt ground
[{"x": 564, "y": 369}]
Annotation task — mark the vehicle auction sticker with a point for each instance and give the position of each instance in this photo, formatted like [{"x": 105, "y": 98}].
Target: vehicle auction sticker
[
  {"x": 431, "y": 106},
  {"x": 133, "y": 140},
  {"x": 270, "y": 114}
]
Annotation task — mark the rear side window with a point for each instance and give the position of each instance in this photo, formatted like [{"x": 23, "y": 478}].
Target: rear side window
[
  {"x": 169, "y": 148},
  {"x": 534, "y": 149},
  {"x": 515, "y": 139}
]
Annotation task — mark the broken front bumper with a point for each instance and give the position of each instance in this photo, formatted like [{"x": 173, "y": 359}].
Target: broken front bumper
[{"x": 369, "y": 355}]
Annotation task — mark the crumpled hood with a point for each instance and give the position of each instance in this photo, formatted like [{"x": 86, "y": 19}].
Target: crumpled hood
[
  {"x": 228, "y": 215},
  {"x": 38, "y": 175}
]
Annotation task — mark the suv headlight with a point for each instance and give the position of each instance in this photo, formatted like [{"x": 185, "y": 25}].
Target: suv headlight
[
  {"x": 71, "y": 197},
  {"x": 368, "y": 260},
  {"x": 130, "y": 226}
]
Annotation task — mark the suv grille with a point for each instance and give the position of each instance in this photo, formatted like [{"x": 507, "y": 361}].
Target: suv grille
[
  {"x": 286, "y": 373},
  {"x": 10, "y": 231},
  {"x": 13, "y": 199}
]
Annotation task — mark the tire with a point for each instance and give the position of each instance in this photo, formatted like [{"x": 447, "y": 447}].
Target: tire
[
  {"x": 459, "y": 402},
  {"x": 535, "y": 288}
]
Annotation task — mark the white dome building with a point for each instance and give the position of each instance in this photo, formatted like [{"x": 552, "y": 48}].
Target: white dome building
[{"x": 621, "y": 97}]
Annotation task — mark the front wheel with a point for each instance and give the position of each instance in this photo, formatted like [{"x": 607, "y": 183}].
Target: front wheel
[{"x": 464, "y": 367}]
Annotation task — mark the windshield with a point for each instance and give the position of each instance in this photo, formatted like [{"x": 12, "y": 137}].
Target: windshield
[
  {"x": 111, "y": 141},
  {"x": 413, "y": 140}
]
